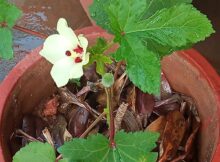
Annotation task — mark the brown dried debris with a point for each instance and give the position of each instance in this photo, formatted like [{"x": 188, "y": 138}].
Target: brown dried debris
[
  {"x": 119, "y": 116},
  {"x": 51, "y": 107}
]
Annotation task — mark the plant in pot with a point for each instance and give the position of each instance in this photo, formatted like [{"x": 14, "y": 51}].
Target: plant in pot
[{"x": 123, "y": 87}]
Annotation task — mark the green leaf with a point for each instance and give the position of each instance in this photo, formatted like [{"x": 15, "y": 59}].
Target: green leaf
[
  {"x": 91, "y": 149},
  {"x": 143, "y": 66},
  {"x": 98, "y": 13},
  {"x": 152, "y": 6},
  {"x": 175, "y": 27},
  {"x": 75, "y": 81},
  {"x": 100, "y": 46},
  {"x": 108, "y": 80},
  {"x": 135, "y": 146},
  {"x": 9, "y": 13},
  {"x": 66, "y": 160},
  {"x": 149, "y": 30},
  {"x": 97, "y": 55},
  {"x": 100, "y": 60},
  {"x": 35, "y": 152},
  {"x": 6, "y": 51},
  {"x": 130, "y": 147}
]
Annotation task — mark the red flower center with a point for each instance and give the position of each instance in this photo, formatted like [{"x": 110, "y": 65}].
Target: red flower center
[
  {"x": 68, "y": 53},
  {"x": 78, "y": 49},
  {"x": 78, "y": 60}
]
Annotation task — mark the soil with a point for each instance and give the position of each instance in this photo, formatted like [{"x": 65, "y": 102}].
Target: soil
[{"x": 77, "y": 111}]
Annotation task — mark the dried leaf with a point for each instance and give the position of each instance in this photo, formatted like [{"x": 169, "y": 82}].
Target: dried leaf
[
  {"x": 48, "y": 137},
  {"x": 101, "y": 98},
  {"x": 132, "y": 99},
  {"x": 94, "y": 131},
  {"x": 183, "y": 107},
  {"x": 50, "y": 108},
  {"x": 158, "y": 125},
  {"x": 144, "y": 102},
  {"x": 165, "y": 89},
  {"x": 119, "y": 116},
  {"x": 63, "y": 108},
  {"x": 78, "y": 123},
  {"x": 40, "y": 126},
  {"x": 71, "y": 112},
  {"x": 172, "y": 136},
  {"x": 174, "y": 98},
  {"x": 67, "y": 136},
  {"x": 90, "y": 74},
  {"x": 119, "y": 85},
  {"x": 90, "y": 87},
  {"x": 28, "y": 126},
  {"x": 69, "y": 97},
  {"x": 57, "y": 130},
  {"x": 130, "y": 123},
  {"x": 189, "y": 147},
  {"x": 166, "y": 108}
]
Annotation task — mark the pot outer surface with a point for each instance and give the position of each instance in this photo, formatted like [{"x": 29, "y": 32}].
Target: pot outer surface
[{"x": 30, "y": 82}]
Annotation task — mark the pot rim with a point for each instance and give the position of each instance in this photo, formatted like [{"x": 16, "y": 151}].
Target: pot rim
[
  {"x": 211, "y": 76},
  {"x": 29, "y": 61},
  {"x": 195, "y": 58}
]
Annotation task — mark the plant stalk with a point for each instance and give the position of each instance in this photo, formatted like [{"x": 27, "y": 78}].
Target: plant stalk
[
  {"x": 112, "y": 125},
  {"x": 93, "y": 125},
  {"x": 31, "y": 32}
]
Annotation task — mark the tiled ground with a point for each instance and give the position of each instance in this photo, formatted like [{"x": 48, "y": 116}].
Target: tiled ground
[{"x": 42, "y": 16}]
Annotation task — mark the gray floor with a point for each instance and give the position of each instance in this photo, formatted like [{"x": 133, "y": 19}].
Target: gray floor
[{"x": 41, "y": 16}]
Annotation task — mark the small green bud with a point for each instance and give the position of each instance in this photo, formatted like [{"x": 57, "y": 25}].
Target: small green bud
[{"x": 108, "y": 80}]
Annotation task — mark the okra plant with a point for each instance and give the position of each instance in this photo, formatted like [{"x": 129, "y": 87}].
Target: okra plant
[
  {"x": 146, "y": 31},
  {"x": 9, "y": 14}
]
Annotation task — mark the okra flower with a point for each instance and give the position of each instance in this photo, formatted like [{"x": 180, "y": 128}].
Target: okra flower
[{"x": 66, "y": 52}]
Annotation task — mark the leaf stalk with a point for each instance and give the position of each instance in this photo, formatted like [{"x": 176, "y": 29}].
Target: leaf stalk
[{"x": 112, "y": 143}]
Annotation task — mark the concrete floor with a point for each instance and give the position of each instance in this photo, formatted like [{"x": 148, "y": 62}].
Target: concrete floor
[{"x": 41, "y": 16}]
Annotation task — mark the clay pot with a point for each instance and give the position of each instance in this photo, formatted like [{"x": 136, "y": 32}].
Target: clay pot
[{"x": 188, "y": 72}]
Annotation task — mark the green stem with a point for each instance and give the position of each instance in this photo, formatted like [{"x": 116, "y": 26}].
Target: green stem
[
  {"x": 108, "y": 92},
  {"x": 109, "y": 45}
]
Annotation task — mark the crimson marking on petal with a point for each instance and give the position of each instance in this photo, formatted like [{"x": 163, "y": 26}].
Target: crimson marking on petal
[
  {"x": 68, "y": 53},
  {"x": 78, "y": 49},
  {"x": 78, "y": 60}
]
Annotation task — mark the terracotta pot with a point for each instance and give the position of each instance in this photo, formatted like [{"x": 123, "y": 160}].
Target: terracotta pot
[{"x": 188, "y": 72}]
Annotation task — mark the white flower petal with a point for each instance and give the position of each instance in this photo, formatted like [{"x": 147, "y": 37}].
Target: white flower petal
[
  {"x": 61, "y": 71},
  {"x": 83, "y": 42},
  {"x": 85, "y": 58},
  {"x": 63, "y": 29},
  {"x": 55, "y": 47},
  {"x": 76, "y": 71}
]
